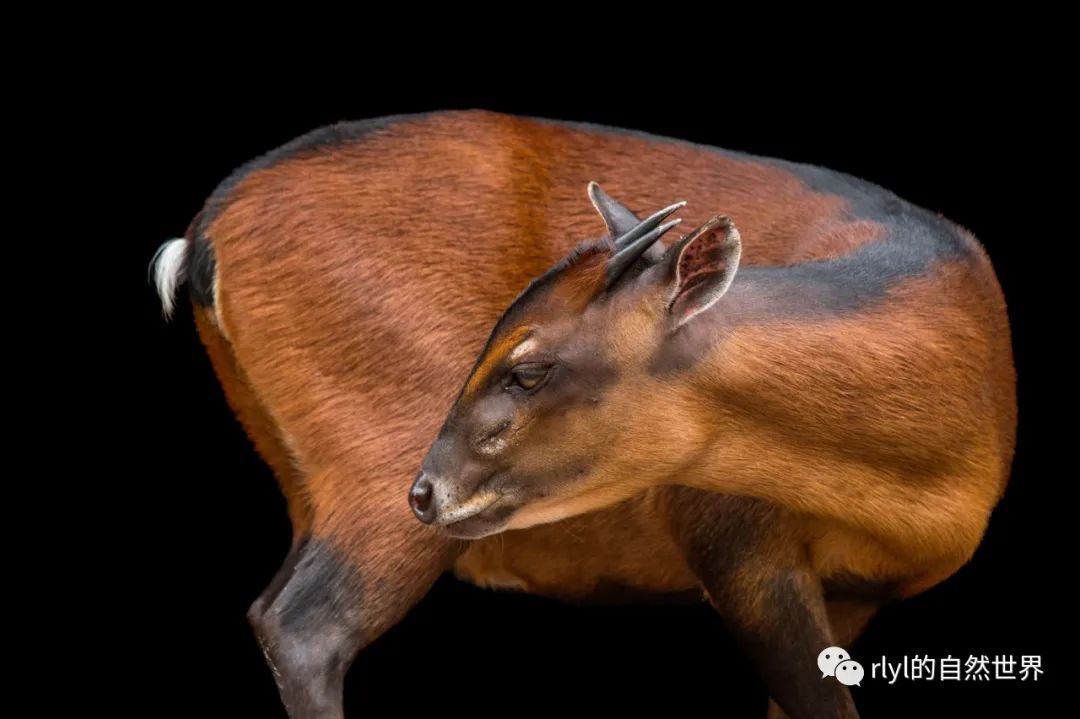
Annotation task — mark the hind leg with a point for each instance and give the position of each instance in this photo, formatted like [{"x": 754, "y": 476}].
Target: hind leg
[
  {"x": 310, "y": 624},
  {"x": 253, "y": 416},
  {"x": 335, "y": 594},
  {"x": 359, "y": 560}
]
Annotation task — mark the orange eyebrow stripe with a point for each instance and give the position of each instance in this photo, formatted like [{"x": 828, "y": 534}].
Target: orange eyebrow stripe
[{"x": 494, "y": 356}]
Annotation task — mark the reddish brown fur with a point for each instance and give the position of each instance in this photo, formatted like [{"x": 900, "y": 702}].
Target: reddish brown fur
[
  {"x": 581, "y": 282},
  {"x": 938, "y": 442},
  {"x": 356, "y": 286},
  {"x": 252, "y": 415},
  {"x": 355, "y": 368},
  {"x": 887, "y": 428}
]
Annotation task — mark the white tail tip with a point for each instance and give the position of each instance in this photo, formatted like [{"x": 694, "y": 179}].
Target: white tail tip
[{"x": 168, "y": 272}]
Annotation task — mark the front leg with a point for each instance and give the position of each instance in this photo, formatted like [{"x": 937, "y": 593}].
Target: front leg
[{"x": 751, "y": 562}]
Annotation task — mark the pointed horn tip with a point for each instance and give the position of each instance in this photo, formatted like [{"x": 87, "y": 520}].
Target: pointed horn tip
[
  {"x": 646, "y": 240},
  {"x": 664, "y": 228},
  {"x": 670, "y": 209},
  {"x": 673, "y": 207}
]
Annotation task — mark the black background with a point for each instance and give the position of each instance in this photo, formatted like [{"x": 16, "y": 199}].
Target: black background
[{"x": 200, "y": 526}]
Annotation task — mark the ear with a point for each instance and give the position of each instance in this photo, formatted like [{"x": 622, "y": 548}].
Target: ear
[{"x": 703, "y": 264}]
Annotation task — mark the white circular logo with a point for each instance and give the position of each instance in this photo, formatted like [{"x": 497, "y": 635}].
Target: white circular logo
[{"x": 829, "y": 658}]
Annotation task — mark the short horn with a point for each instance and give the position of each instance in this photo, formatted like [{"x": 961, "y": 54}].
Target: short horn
[
  {"x": 646, "y": 226},
  {"x": 618, "y": 218},
  {"x": 628, "y": 255}
]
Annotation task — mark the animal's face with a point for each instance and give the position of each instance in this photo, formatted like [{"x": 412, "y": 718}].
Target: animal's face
[{"x": 561, "y": 412}]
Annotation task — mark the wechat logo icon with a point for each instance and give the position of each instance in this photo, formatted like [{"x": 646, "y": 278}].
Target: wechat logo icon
[{"x": 836, "y": 662}]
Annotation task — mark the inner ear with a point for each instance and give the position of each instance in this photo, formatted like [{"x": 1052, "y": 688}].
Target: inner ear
[{"x": 703, "y": 264}]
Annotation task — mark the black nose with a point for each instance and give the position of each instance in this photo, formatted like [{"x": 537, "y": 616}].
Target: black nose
[{"x": 421, "y": 499}]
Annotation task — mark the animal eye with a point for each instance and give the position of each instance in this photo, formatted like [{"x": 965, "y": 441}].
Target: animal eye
[{"x": 529, "y": 376}]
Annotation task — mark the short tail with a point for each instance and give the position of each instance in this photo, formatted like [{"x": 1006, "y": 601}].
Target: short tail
[{"x": 169, "y": 272}]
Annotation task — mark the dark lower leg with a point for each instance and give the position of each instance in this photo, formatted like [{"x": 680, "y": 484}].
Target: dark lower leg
[
  {"x": 752, "y": 565},
  {"x": 779, "y": 618},
  {"x": 310, "y": 625},
  {"x": 848, "y": 619}
]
